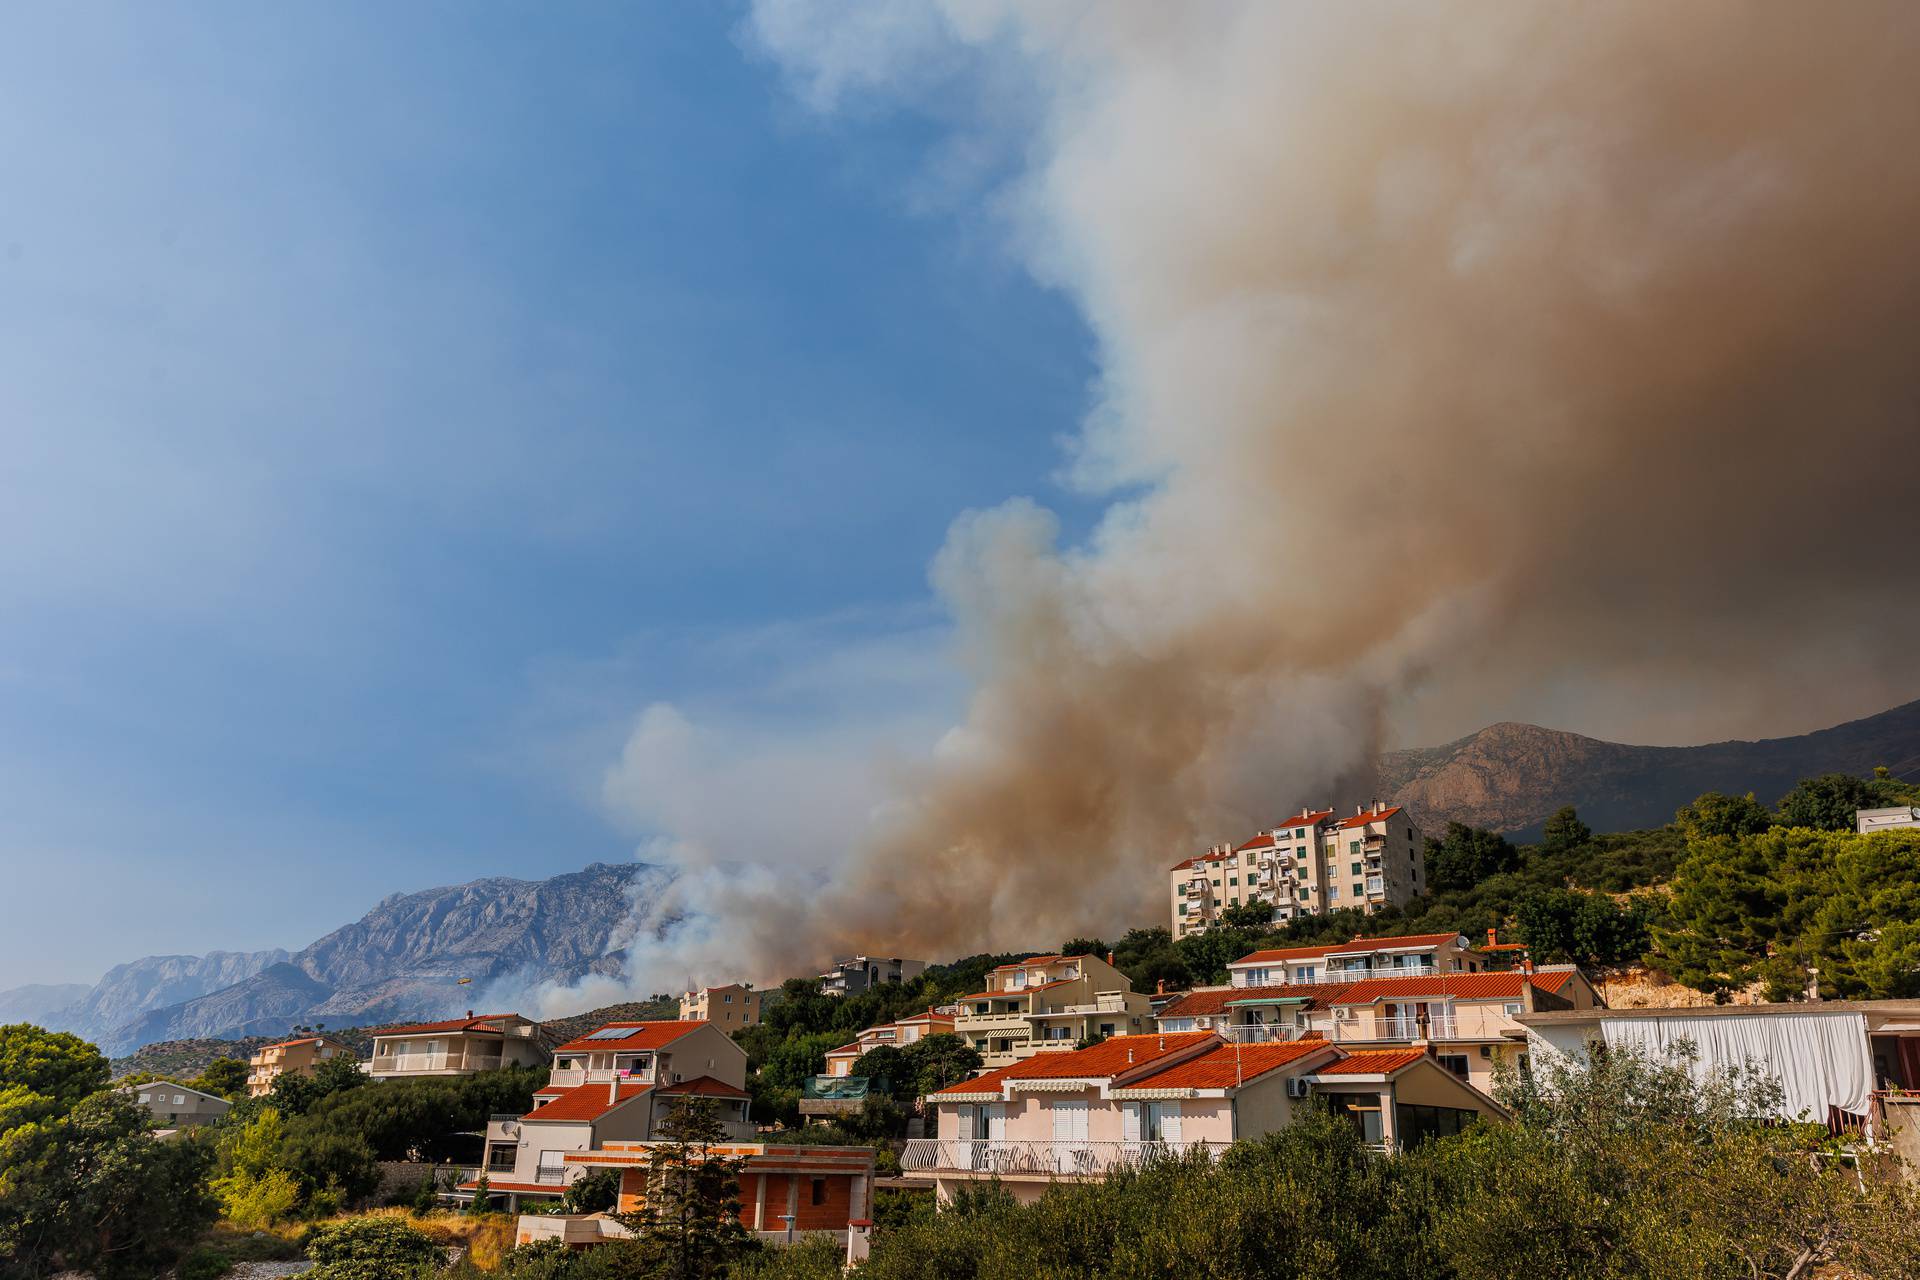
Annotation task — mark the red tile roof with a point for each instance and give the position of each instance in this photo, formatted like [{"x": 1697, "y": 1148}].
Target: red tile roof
[
  {"x": 1409, "y": 941},
  {"x": 646, "y": 1035},
  {"x": 1228, "y": 1066},
  {"x": 585, "y": 1102},
  {"x": 1283, "y": 953},
  {"x": 855, "y": 1048},
  {"x": 1372, "y": 1062},
  {"x": 451, "y": 1024},
  {"x": 1021, "y": 964},
  {"x": 1210, "y": 855},
  {"x": 705, "y": 1087},
  {"x": 1305, "y": 818},
  {"x": 1264, "y": 840},
  {"x": 1465, "y": 986},
  {"x": 1361, "y": 820},
  {"x": 1199, "y": 1003},
  {"x": 1113, "y": 1056},
  {"x": 524, "y": 1188}
]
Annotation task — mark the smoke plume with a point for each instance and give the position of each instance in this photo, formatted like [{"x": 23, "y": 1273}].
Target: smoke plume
[{"x": 1457, "y": 361}]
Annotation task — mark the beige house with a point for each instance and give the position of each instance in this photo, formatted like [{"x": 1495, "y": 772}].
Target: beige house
[
  {"x": 457, "y": 1047},
  {"x": 175, "y": 1106},
  {"x": 612, "y": 1084},
  {"x": 1048, "y": 1004},
  {"x": 1314, "y": 862},
  {"x": 729, "y": 1008},
  {"x": 1134, "y": 1099},
  {"x": 290, "y": 1057}
]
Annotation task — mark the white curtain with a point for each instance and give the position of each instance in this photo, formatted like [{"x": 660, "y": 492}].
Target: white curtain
[{"x": 1820, "y": 1059}]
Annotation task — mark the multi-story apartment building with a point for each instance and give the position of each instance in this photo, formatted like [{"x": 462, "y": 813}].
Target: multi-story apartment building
[
  {"x": 1133, "y": 1099},
  {"x": 613, "y": 1084},
  {"x": 175, "y": 1106},
  {"x": 1467, "y": 1022},
  {"x": 730, "y": 1007},
  {"x": 290, "y": 1057},
  {"x": 1049, "y": 1003},
  {"x": 852, "y": 976},
  {"x": 1408, "y": 955},
  {"x": 457, "y": 1047},
  {"x": 1310, "y": 864}
]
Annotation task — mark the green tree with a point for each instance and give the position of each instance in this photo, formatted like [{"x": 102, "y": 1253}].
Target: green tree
[
  {"x": 60, "y": 1067},
  {"x": 1084, "y": 947},
  {"x": 885, "y": 1068},
  {"x": 83, "y": 1185},
  {"x": 689, "y": 1224},
  {"x": 1715, "y": 814},
  {"x": 593, "y": 1192},
  {"x": 1564, "y": 831},
  {"x": 296, "y": 1095},
  {"x": 254, "y": 1188},
  {"x": 1825, "y": 803},
  {"x": 225, "y": 1077},
  {"x": 369, "y": 1249},
  {"x": 1468, "y": 855},
  {"x": 933, "y": 1062},
  {"x": 1251, "y": 918}
]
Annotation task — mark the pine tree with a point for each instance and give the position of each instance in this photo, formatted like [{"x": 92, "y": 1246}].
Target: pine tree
[{"x": 690, "y": 1221}]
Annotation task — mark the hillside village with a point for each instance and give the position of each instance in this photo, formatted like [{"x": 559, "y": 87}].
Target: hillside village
[{"x": 1350, "y": 966}]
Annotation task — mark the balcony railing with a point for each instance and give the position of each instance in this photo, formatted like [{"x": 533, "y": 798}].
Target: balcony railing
[
  {"x": 1396, "y": 1029},
  {"x": 1000, "y": 1157},
  {"x": 550, "y": 1175}
]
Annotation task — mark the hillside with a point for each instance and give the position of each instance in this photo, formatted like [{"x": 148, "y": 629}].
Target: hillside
[
  {"x": 183, "y": 1059},
  {"x": 1510, "y": 777},
  {"x": 404, "y": 959}
]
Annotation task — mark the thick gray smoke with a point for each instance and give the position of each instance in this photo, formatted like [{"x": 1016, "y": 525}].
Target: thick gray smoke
[{"x": 1463, "y": 360}]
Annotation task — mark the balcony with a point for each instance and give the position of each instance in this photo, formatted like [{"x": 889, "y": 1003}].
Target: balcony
[
  {"x": 992, "y": 1024},
  {"x": 999, "y": 1158}
]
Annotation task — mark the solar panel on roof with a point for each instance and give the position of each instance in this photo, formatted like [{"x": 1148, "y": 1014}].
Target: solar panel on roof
[{"x": 614, "y": 1033}]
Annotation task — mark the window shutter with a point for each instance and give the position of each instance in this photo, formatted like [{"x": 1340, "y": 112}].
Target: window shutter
[
  {"x": 965, "y": 1132},
  {"x": 1170, "y": 1122},
  {"x": 1130, "y": 1121}
]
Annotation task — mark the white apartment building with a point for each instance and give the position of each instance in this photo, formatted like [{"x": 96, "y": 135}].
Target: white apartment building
[
  {"x": 1049, "y": 1004},
  {"x": 1314, "y": 862},
  {"x": 1405, "y": 956},
  {"x": 862, "y": 973}
]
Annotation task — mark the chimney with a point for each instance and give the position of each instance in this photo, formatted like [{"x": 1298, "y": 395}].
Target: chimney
[
  {"x": 1493, "y": 937},
  {"x": 1813, "y": 984},
  {"x": 1109, "y": 957},
  {"x": 1526, "y": 962},
  {"x": 1359, "y": 811},
  {"x": 1160, "y": 987},
  {"x": 469, "y": 1015}
]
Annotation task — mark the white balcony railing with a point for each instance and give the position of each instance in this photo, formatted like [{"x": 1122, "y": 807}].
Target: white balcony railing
[
  {"x": 1000, "y": 1157},
  {"x": 550, "y": 1175},
  {"x": 1398, "y": 1028}
]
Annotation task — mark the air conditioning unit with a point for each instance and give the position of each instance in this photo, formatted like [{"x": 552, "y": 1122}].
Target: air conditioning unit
[{"x": 1296, "y": 1086}]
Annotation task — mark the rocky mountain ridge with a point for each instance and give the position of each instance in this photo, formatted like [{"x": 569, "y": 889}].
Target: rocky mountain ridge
[
  {"x": 1511, "y": 777},
  {"x": 404, "y": 959}
]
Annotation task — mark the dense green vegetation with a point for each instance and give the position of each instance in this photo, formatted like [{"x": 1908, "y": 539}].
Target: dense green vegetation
[{"x": 82, "y": 1183}]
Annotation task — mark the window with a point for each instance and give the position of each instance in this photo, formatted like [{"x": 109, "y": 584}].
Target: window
[
  {"x": 1106, "y": 1028},
  {"x": 1511, "y": 1008},
  {"x": 146, "y": 1097},
  {"x": 1353, "y": 846},
  {"x": 1300, "y": 833},
  {"x": 729, "y": 999},
  {"x": 1307, "y": 972},
  {"x": 1356, "y": 869},
  {"x": 179, "y": 1100},
  {"x": 1455, "y": 1062},
  {"x": 1359, "y": 892},
  {"x": 819, "y": 1191},
  {"x": 1333, "y": 892},
  {"x": 1233, "y": 880}
]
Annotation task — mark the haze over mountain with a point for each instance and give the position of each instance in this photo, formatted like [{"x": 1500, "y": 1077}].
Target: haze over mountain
[
  {"x": 403, "y": 959},
  {"x": 1510, "y": 777}
]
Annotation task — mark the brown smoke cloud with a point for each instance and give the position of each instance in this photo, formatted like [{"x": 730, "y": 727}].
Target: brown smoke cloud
[{"x": 1466, "y": 361}]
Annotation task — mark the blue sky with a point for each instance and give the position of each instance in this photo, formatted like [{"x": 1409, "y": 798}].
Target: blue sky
[{"x": 397, "y": 402}]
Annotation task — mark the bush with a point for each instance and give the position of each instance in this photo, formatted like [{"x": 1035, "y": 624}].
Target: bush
[{"x": 368, "y": 1249}]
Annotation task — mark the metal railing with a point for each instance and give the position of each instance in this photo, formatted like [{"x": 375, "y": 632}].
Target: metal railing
[
  {"x": 1396, "y": 1029},
  {"x": 1074, "y": 1159},
  {"x": 550, "y": 1175}
]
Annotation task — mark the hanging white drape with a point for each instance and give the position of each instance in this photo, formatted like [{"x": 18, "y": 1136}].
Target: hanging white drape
[{"x": 1820, "y": 1059}]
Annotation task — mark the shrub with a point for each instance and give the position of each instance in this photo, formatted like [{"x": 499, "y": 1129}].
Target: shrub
[{"x": 368, "y": 1249}]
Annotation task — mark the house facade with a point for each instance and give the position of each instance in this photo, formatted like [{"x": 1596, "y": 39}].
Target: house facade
[
  {"x": 175, "y": 1106},
  {"x": 457, "y": 1047},
  {"x": 1133, "y": 1099},
  {"x": 787, "y": 1193},
  {"x": 730, "y": 1007},
  {"x": 861, "y": 973},
  {"x": 898, "y": 1034},
  {"x": 1313, "y": 862},
  {"x": 1405, "y": 956},
  {"x": 614, "y": 1084},
  {"x": 290, "y": 1057},
  {"x": 1047, "y": 1004}
]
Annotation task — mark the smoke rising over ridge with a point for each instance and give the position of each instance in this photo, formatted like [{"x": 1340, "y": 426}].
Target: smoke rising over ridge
[{"x": 1457, "y": 362}]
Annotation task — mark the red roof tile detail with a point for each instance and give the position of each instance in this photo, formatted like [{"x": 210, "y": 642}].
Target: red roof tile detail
[
  {"x": 452, "y": 1024},
  {"x": 855, "y": 1048},
  {"x": 1021, "y": 964},
  {"x": 1113, "y": 1056},
  {"x": 1464, "y": 986},
  {"x": 1363, "y": 946},
  {"x": 646, "y": 1035},
  {"x": 1305, "y": 818},
  {"x": 1228, "y": 1066},
  {"x": 585, "y": 1102},
  {"x": 1200, "y": 1003},
  {"x": 705, "y": 1087},
  {"x": 1264, "y": 840},
  {"x": 1361, "y": 820},
  {"x": 1373, "y": 1062}
]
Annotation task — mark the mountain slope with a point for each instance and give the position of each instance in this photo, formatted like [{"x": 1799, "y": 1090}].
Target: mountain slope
[
  {"x": 36, "y": 1002},
  {"x": 1510, "y": 777},
  {"x": 405, "y": 958},
  {"x": 129, "y": 990}
]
